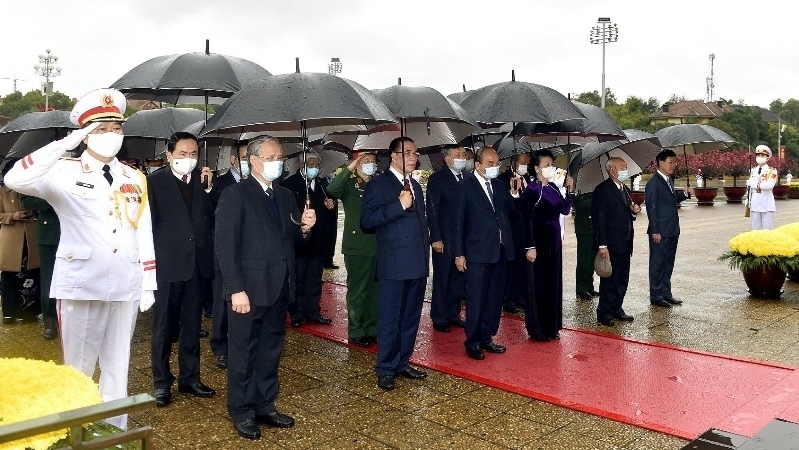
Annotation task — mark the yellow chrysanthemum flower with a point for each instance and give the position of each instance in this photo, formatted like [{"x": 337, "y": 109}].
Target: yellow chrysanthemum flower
[
  {"x": 34, "y": 388},
  {"x": 765, "y": 243},
  {"x": 791, "y": 228}
]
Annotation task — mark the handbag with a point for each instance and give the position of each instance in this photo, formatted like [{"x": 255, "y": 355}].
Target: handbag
[{"x": 602, "y": 266}]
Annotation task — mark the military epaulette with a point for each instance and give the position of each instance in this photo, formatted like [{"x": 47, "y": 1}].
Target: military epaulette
[{"x": 69, "y": 158}]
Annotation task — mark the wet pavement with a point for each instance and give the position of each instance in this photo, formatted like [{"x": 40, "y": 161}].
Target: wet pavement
[{"x": 331, "y": 392}]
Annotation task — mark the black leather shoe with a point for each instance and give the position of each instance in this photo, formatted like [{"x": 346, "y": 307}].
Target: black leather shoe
[
  {"x": 475, "y": 353},
  {"x": 673, "y": 301},
  {"x": 660, "y": 302},
  {"x": 204, "y": 333},
  {"x": 296, "y": 323},
  {"x": 207, "y": 314},
  {"x": 372, "y": 339},
  {"x": 385, "y": 382},
  {"x": 625, "y": 317},
  {"x": 275, "y": 419},
  {"x": 585, "y": 296},
  {"x": 360, "y": 341},
  {"x": 606, "y": 322},
  {"x": 413, "y": 374},
  {"x": 491, "y": 347},
  {"x": 539, "y": 338},
  {"x": 594, "y": 293},
  {"x": 442, "y": 327},
  {"x": 50, "y": 334},
  {"x": 163, "y": 397},
  {"x": 247, "y": 428},
  {"x": 458, "y": 323},
  {"x": 221, "y": 361},
  {"x": 197, "y": 389},
  {"x": 322, "y": 320},
  {"x": 8, "y": 320}
]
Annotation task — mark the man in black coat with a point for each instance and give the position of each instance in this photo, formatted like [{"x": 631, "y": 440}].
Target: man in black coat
[
  {"x": 182, "y": 215},
  {"x": 612, "y": 216},
  {"x": 311, "y": 256},
  {"x": 255, "y": 242},
  {"x": 516, "y": 282}
]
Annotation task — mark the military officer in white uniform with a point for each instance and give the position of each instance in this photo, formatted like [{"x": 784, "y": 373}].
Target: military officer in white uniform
[
  {"x": 762, "y": 179},
  {"x": 105, "y": 263}
]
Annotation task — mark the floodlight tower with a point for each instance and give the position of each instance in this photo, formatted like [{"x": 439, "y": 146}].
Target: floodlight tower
[{"x": 604, "y": 33}]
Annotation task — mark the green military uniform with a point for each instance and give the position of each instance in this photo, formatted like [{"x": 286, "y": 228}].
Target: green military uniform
[
  {"x": 585, "y": 243},
  {"x": 48, "y": 233},
  {"x": 359, "y": 256}
]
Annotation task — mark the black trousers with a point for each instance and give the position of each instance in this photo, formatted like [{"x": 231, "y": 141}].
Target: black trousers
[
  {"x": 255, "y": 341},
  {"x": 613, "y": 288},
  {"x": 219, "y": 321},
  {"x": 661, "y": 266},
  {"x": 178, "y": 304},
  {"x": 309, "y": 288},
  {"x": 484, "y": 300},
  {"x": 46, "y": 265},
  {"x": 448, "y": 288}
]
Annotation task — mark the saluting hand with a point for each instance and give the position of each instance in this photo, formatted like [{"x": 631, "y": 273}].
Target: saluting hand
[
  {"x": 355, "y": 162},
  {"x": 240, "y": 302}
]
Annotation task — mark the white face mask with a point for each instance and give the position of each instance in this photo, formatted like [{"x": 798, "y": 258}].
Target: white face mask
[
  {"x": 311, "y": 172},
  {"x": 183, "y": 166},
  {"x": 458, "y": 164},
  {"x": 272, "y": 170},
  {"x": 245, "y": 169},
  {"x": 369, "y": 169},
  {"x": 760, "y": 159},
  {"x": 106, "y": 145},
  {"x": 623, "y": 176},
  {"x": 492, "y": 172},
  {"x": 549, "y": 172},
  {"x": 522, "y": 169}
]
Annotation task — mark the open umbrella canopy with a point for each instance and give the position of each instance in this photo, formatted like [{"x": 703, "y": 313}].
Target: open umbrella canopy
[
  {"x": 589, "y": 164},
  {"x": 32, "y": 131},
  {"x": 147, "y": 131},
  {"x": 506, "y": 149},
  {"x": 518, "y": 101},
  {"x": 283, "y": 105},
  {"x": 189, "y": 78},
  {"x": 597, "y": 126},
  {"x": 694, "y": 138}
]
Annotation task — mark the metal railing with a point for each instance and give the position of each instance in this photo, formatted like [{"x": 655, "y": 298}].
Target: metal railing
[{"x": 74, "y": 420}]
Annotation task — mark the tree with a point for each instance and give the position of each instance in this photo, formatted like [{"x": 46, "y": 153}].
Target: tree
[
  {"x": 634, "y": 112},
  {"x": 17, "y": 104},
  {"x": 745, "y": 125},
  {"x": 593, "y": 98}
]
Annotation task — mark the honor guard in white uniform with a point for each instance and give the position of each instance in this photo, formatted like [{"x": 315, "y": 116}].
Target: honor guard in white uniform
[
  {"x": 105, "y": 263},
  {"x": 762, "y": 179}
]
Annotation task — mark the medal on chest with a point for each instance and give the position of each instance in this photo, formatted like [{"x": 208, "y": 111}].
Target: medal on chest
[{"x": 130, "y": 201}]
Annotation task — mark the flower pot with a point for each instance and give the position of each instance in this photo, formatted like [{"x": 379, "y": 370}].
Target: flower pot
[
  {"x": 735, "y": 194},
  {"x": 638, "y": 197},
  {"x": 705, "y": 195},
  {"x": 781, "y": 192},
  {"x": 766, "y": 281},
  {"x": 793, "y": 193}
]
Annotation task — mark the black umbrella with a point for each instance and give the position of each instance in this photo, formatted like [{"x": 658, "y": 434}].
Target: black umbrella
[
  {"x": 299, "y": 104},
  {"x": 589, "y": 163},
  {"x": 506, "y": 148},
  {"x": 693, "y": 138},
  {"x": 597, "y": 126},
  {"x": 31, "y": 131},
  {"x": 147, "y": 131}
]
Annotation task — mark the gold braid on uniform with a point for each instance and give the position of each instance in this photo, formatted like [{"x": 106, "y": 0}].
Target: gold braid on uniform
[{"x": 134, "y": 223}]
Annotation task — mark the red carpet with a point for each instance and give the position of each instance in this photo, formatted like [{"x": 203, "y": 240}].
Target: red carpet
[{"x": 677, "y": 391}]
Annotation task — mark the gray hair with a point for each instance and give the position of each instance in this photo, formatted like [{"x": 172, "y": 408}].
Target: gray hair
[
  {"x": 310, "y": 154},
  {"x": 447, "y": 149},
  {"x": 254, "y": 146},
  {"x": 611, "y": 163}
]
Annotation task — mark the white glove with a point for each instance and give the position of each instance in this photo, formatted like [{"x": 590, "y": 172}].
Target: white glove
[
  {"x": 74, "y": 139},
  {"x": 147, "y": 300}
]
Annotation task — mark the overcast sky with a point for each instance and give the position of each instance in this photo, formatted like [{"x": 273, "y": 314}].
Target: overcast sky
[{"x": 662, "y": 49}]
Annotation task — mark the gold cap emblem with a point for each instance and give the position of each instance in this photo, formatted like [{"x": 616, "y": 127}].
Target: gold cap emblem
[{"x": 107, "y": 101}]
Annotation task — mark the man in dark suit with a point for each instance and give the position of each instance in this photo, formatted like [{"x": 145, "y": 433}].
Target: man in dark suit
[
  {"x": 516, "y": 282},
  {"x": 255, "y": 242},
  {"x": 482, "y": 238},
  {"x": 612, "y": 216},
  {"x": 306, "y": 185},
  {"x": 448, "y": 287},
  {"x": 48, "y": 232},
  {"x": 663, "y": 229},
  {"x": 239, "y": 170},
  {"x": 182, "y": 215},
  {"x": 393, "y": 207}
]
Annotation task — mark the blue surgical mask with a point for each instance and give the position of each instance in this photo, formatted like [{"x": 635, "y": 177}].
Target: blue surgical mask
[
  {"x": 311, "y": 172},
  {"x": 623, "y": 176},
  {"x": 458, "y": 164},
  {"x": 492, "y": 172},
  {"x": 369, "y": 169},
  {"x": 272, "y": 170},
  {"x": 245, "y": 169}
]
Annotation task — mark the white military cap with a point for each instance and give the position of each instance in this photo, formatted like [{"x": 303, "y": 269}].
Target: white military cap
[
  {"x": 101, "y": 105},
  {"x": 763, "y": 149}
]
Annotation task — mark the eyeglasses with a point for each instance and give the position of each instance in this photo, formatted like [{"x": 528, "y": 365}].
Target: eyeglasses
[
  {"x": 271, "y": 158},
  {"x": 409, "y": 153}
]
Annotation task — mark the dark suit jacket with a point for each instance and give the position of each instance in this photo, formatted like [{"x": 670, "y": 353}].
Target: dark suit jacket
[
  {"x": 319, "y": 239},
  {"x": 612, "y": 218},
  {"x": 221, "y": 182},
  {"x": 516, "y": 224},
  {"x": 661, "y": 207},
  {"x": 477, "y": 231},
  {"x": 403, "y": 242},
  {"x": 256, "y": 249},
  {"x": 182, "y": 238},
  {"x": 442, "y": 188},
  {"x": 48, "y": 228}
]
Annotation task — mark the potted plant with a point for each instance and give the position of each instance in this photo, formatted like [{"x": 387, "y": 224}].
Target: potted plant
[
  {"x": 764, "y": 258},
  {"x": 780, "y": 190},
  {"x": 736, "y": 164},
  {"x": 706, "y": 166},
  {"x": 793, "y": 230}
]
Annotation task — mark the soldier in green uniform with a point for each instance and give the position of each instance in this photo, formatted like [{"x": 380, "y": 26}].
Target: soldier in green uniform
[
  {"x": 48, "y": 232},
  {"x": 358, "y": 249},
  {"x": 585, "y": 252}
]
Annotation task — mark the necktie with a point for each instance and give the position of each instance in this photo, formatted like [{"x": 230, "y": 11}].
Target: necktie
[
  {"x": 184, "y": 178},
  {"x": 107, "y": 174},
  {"x": 490, "y": 193},
  {"x": 460, "y": 177},
  {"x": 273, "y": 203}
]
